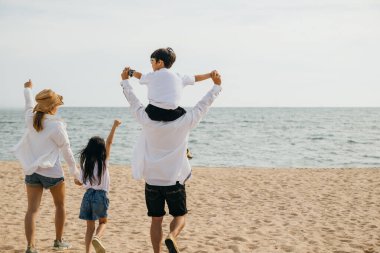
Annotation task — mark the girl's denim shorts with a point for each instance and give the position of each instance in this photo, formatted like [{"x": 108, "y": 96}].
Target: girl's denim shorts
[{"x": 94, "y": 205}]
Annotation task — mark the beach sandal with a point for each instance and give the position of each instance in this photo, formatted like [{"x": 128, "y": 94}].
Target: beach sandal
[
  {"x": 98, "y": 246},
  {"x": 171, "y": 244},
  {"x": 30, "y": 249}
]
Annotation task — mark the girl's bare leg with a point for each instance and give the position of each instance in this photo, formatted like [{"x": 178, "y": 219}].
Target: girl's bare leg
[{"x": 89, "y": 233}]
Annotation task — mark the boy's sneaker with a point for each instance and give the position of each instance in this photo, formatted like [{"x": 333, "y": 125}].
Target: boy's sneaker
[
  {"x": 98, "y": 246},
  {"x": 30, "y": 249},
  {"x": 61, "y": 245}
]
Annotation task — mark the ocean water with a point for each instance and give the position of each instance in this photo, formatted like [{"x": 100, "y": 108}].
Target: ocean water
[{"x": 244, "y": 137}]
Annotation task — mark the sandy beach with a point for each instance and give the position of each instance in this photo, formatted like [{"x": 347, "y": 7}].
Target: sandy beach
[{"x": 230, "y": 210}]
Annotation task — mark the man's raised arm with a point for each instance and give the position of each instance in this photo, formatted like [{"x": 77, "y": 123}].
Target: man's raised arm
[
  {"x": 137, "y": 108},
  {"x": 195, "y": 115}
]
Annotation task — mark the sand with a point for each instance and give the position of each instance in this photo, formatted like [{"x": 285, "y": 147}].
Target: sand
[{"x": 230, "y": 210}]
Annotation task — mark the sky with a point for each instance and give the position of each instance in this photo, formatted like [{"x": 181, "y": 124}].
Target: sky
[{"x": 297, "y": 53}]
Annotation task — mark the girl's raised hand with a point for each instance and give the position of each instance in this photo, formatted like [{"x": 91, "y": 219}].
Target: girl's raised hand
[{"x": 117, "y": 122}]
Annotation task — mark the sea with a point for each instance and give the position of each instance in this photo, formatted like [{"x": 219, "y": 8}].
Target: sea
[{"x": 234, "y": 137}]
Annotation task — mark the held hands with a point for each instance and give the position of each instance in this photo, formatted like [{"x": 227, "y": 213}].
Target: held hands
[
  {"x": 77, "y": 182},
  {"x": 213, "y": 72},
  {"x": 28, "y": 84},
  {"x": 125, "y": 73},
  {"x": 216, "y": 78}
]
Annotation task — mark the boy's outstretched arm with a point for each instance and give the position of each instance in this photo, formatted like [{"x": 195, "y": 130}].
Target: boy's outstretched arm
[
  {"x": 202, "y": 77},
  {"x": 109, "y": 140},
  {"x": 137, "y": 75},
  {"x": 134, "y": 73}
]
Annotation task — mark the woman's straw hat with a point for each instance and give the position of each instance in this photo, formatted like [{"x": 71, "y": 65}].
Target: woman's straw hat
[{"x": 47, "y": 100}]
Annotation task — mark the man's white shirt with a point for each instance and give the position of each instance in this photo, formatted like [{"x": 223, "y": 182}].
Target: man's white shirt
[{"x": 160, "y": 152}]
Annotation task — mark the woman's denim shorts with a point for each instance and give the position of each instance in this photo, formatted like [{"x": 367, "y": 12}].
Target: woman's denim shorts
[
  {"x": 39, "y": 180},
  {"x": 94, "y": 205}
]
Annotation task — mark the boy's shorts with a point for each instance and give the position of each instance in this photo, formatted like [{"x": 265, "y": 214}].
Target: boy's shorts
[
  {"x": 174, "y": 195},
  {"x": 94, "y": 205},
  {"x": 158, "y": 114},
  {"x": 39, "y": 180}
]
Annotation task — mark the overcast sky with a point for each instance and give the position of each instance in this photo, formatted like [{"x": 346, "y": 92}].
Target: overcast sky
[{"x": 269, "y": 52}]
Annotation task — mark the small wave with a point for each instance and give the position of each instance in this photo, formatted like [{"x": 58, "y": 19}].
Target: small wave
[
  {"x": 8, "y": 122},
  {"x": 370, "y": 164},
  {"x": 316, "y": 138},
  {"x": 208, "y": 122},
  {"x": 372, "y": 156},
  {"x": 352, "y": 142}
]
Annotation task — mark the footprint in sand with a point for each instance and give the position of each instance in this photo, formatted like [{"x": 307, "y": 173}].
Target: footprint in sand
[
  {"x": 8, "y": 247},
  {"x": 253, "y": 246},
  {"x": 369, "y": 251},
  {"x": 239, "y": 238},
  {"x": 287, "y": 248},
  {"x": 235, "y": 248}
]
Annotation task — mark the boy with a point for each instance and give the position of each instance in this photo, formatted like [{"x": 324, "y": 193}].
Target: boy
[{"x": 164, "y": 86}]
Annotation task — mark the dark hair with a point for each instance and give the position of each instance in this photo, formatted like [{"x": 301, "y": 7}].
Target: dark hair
[
  {"x": 93, "y": 153},
  {"x": 37, "y": 121},
  {"x": 166, "y": 55}
]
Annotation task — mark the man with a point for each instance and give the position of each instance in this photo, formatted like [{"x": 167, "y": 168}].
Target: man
[{"x": 160, "y": 158}]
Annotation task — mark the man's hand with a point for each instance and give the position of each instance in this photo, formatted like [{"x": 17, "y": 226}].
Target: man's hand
[
  {"x": 116, "y": 122},
  {"x": 28, "y": 84},
  {"x": 216, "y": 78},
  {"x": 124, "y": 74}
]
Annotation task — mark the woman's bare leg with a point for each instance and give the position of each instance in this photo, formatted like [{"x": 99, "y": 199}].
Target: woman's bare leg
[
  {"x": 34, "y": 194},
  {"x": 58, "y": 193}
]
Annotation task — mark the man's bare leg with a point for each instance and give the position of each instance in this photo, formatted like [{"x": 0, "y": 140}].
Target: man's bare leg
[
  {"x": 156, "y": 233},
  {"x": 176, "y": 226}
]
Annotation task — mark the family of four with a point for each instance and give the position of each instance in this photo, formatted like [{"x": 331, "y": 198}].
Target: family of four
[{"x": 159, "y": 155}]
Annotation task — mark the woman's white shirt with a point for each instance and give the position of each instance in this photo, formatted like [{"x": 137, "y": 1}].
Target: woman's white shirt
[{"x": 38, "y": 152}]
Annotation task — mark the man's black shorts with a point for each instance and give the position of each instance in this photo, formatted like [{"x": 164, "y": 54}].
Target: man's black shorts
[{"x": 174, "y": 195}]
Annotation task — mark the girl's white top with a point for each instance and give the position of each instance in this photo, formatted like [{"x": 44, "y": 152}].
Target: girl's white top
[
  {"x": 165, "y": 87},
  {"x": 38, "y": 152},
  {"x": 105, "y": 181}
]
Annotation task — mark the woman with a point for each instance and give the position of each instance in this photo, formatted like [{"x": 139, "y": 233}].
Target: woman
[{"x": 38, "y": 152}]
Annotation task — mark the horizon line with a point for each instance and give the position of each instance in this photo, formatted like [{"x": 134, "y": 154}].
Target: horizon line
[{"x": 324, "y": 106}]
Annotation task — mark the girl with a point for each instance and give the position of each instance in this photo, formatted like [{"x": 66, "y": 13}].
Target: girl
[
  {"x": 95, "y": 178},
  {"x": 38, "y": 152}
]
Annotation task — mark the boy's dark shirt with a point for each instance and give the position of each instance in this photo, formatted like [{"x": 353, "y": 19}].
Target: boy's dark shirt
[{"x": 158, "y": 114}]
